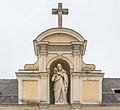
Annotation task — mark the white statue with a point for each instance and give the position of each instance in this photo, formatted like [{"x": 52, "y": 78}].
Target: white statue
[{"x": 60, "y": 80}]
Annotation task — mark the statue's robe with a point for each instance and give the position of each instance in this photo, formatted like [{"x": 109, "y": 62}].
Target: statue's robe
[{"x": 60, "y": 87}]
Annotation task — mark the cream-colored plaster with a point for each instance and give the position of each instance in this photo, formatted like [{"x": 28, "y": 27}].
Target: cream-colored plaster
[
  {"x": 69, "y": 56},
  {"x": 42, "y": 62},
  {"x": 34, "y": 66},
  {"x": 100, "y": 108},
  {"x": 87, "y": 67},
  {"x": 59, "y": 30},
  {"x": 44, "y": 89},
  {"x": 77, "y": 63},
  {"x": 59, "y": 38},
  {"x": 18, "y": 107},
  {"x": 90, "y": 91},
  {"x": 19, "y": 90},
  {"x": 27, "y": 76},
  {"x": 30, "y": 90},
  {"x": 76, "y": 88},
  {"x": 51, "y": 56}
]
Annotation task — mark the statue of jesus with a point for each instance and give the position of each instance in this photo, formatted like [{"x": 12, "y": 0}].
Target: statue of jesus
[{"x": 60, "y": 79}]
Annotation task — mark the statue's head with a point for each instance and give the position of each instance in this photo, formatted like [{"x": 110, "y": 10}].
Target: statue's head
[
  {"x": 55, "y": 70},
  {"x": 59, "y": 66}
]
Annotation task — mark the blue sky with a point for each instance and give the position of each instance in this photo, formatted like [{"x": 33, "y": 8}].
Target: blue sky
[{"x": 98, "y": 21}]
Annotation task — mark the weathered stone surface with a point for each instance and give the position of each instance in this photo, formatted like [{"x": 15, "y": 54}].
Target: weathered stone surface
[{"x": 60, "y": 107}]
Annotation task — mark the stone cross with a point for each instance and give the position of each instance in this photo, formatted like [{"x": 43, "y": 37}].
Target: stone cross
[{"x": 60, "y": 12}]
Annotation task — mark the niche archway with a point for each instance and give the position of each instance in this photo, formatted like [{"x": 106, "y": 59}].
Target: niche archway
[{"x": 65, "y": 66}]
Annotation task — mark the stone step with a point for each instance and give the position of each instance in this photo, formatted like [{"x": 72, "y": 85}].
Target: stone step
[{"x": 59, "y": 107}]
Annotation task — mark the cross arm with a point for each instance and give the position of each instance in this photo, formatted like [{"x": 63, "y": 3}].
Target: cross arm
[
  {"x": 65, "y": 11},
  {"x": 55, "y": 11}
]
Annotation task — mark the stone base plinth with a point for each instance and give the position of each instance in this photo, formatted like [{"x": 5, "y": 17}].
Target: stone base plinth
[{"x": 60, "y": 107}]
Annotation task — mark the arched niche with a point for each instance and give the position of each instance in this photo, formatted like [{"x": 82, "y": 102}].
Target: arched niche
[{"x": 66, "y": 67}]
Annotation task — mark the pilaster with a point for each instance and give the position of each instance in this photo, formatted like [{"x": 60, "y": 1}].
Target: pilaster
[
  {"x": 76, "y": 87},
  {"x": 42, "y": 56},
  {"x": 44, "y": 87},
  {"x": 77, "y": 58}
]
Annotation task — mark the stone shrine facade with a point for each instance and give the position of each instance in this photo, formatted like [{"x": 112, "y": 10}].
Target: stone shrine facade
[{"x": 65, "y": 47}]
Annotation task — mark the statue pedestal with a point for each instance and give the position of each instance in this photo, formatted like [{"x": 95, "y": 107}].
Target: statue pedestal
[
  {"x": 43, "y": 106},
  {"x": 60, "y": 107},
  {"x": 76, "y": 105}
]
